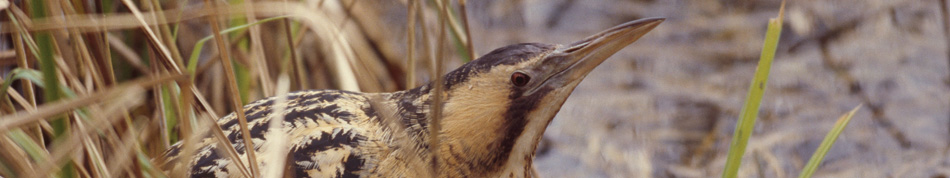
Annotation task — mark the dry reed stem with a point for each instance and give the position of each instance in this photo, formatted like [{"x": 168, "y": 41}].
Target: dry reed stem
[
  {"x": 104, "y": 54},
  {"x": 93, "y": 152},
  {"x": 453, "y": 24},
  {"x": 299, "y": 64},
  {"x": 20, "y": 100},
  {"x": 277, "y": 145},
  {"x": 945, "y": 16},
  {"x": 468, "y": 31},
  {"x": 7, "y": 55},
  {"x": 128, "y": 54},
  {"x": 79, "y": 46},
  {"x": 123, "y": 99},
  {"x": 25, "y": 84},
  {"x": 163, "y": 50},
  {"x": 127, "y": 144},
  {"x": 340, "y": 50},
  {"x": 87, "y": 75},
  {"x": 436, "y": 114},
  {"x": 98, "y": 23},
  {"x": 411, "y": 38},
  {"x": 16, "y": 158},
  {"x": 233, "y": 90},
  {"x": 292, "y": 47},
  {"x": 48, "y": 110},
  {"x": 223, "y": 142},
  {"x": 165, "y": 31},
  {"x": 341, "y": 54},
  {"x": 160, "y": 115},
  {"x": 213, "y": 55},
  {"x": 426, "y": 45},
  {"x": 68, "y": 78},
  {"x": 257, "y": 51},
  {"x": 186, "y": 98}
]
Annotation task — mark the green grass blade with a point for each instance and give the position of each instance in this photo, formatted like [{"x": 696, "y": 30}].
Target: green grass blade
[
  {"x": 171, "y": 118},
  {"x": 243, "y": 76},
  {"x": 14, "y": 75},
  {"x": 35, "y": 151},
  {"x": 20, "y": 73},
  {"x": 44, "y": 41},
  {"x": 27, "y": 40},
  {"x": 454, "y": 31},
  {"x": 148, "y": 168},
  {"x": 35, "y": 77},
  {"x": 750, "y": 110},
  {"x": 196, "y": 51},
  {"x": 826, "y": 144}
]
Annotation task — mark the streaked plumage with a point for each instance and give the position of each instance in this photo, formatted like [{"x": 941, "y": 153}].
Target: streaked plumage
[{"x": 495, "y": 110}]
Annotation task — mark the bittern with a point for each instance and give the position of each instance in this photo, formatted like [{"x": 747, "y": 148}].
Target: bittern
[{"x": 495, "y": 110}]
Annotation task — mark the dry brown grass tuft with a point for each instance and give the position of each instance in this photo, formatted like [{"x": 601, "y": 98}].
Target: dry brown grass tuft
[{"x": 130, "y": 78}]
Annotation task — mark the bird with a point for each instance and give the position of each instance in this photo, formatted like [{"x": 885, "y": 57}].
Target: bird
[{"x": 495, "y": 110}]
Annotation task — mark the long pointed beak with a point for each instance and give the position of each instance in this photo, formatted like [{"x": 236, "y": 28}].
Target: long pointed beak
[{"x": 578, "y": 59}]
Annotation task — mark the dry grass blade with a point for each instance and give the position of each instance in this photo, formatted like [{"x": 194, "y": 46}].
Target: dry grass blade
[
  {"x": 341, "y": 52},
  {"x": 23, "y": 63},
  {"x": 222, "y": 140},
  {"x": 233, "y": 90},
  {"x": 295, "y": 66},
  {"x": 185, "y": 114},
  {"x": 15, "y": 159},
  {"x": 81, "y": 51},
  {"x": 257, "y": 51},
  {"x": 192, "y": 66},
  {"x": 123, "y": 99},
  {"x": 426, "y": 46},
  {"x": 945, "y": 15},
  {"x": 435, "y": 116},
  {"x": 49, "y": 110},
  {"x": 98, "y": 23},
  {"x": 27, "y": 105},
  {"x": 163, "y": 50},
  {"x": 127, "y": 144},
  {"x": 128, "y": 54},
  {"x": 411, "y": 38},
  {"x": 45, "y": 53},
  {"x": 455, "y": 29},
  {"x": 277, "y": 154},
  {"x": 468, "y": 31},
  {"x": 94, "y": 153},
  {"x": 164, "y": 30},
  {"x": 7, "y": 55}
]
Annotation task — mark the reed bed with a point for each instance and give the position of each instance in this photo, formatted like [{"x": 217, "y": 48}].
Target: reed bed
[{"x": 103, "y": 88}]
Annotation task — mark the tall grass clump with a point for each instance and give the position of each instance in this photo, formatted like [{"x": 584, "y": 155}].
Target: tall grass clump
[
  {"x": 102, "y": 88},
  {"x": 746, "y": 124}
]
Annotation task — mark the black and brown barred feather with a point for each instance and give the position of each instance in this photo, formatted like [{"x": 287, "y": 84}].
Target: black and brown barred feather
[{"x": 331, "y": 133}]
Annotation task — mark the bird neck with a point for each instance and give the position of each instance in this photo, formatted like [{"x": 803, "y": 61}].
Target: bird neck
[{"x": 475, "y": 137}]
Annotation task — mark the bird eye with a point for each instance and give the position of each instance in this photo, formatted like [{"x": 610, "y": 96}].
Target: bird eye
[{"x": 520, "y": 79}]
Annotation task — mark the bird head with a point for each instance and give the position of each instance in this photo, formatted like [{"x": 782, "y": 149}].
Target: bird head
[{"x": 498, "y": 106}]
